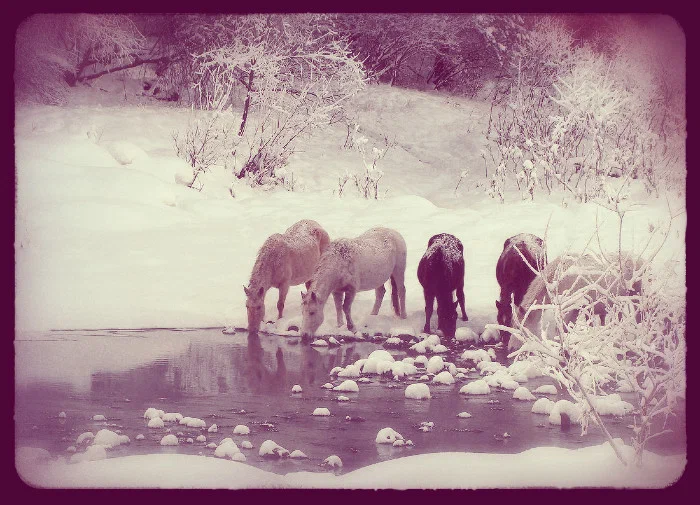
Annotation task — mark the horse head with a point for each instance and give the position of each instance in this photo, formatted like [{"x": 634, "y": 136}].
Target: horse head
[
  {"x": 312, "y": 313},
  {"x": 447, "y": 318},
  {"x": 255, "y": 306}
]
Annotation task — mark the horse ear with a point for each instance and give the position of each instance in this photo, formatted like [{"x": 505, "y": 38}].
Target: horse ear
[
  {"x": 247, "y": 291},
  {"x": 261, "y": 291},
  {"x": 313, "y": 296},
  {"x": 303, "y": 295},
  {"x": 498, "y": 304}
]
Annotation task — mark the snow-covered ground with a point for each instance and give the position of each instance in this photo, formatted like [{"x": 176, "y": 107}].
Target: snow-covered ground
[
  {"x": 596, "y": 466},
  {"x": 100, "y": 244}
]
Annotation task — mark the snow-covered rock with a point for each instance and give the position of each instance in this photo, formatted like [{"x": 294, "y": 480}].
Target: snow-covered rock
[
  {"x": 201, "y": 438},
  {"x": 71, "y": 448},
  {"x": 333, "y": 462},
  {"x": 387, "y": 436},
  {"x": 435, "y": 364},
  {"x": 565, "y": 407},
  {"x": 152, "y": 412},
  {"x": 342, "y": 398},
  {"x": 424, "y": 377},
  {"x": 271, "y": 448},
  {"x": 226, "y": 449},
  {"x": 321, "y": 411},
  {"x": 547, "y": 389},
  {"x": 246, "y": 444},
  {"x": 611, "y": 404},
  {"x": 239, "y": 456},
  {"x": 477, "y": 387},
  {"x": 476, "y": 355},
  {"x": 212, "y": 445},
  {"x": 398, "y": 443},
  {"x": 464, "y": 414},
  {"x": 444, "y": 378},
  {"x": 335, "y": 370},
  {"x": 109, "y": 439},
  {"x": 140, "y": 436},
  {"x": 417, "y": 391},
  {"x": 190, "y": 440},
  {"x": 490, "y": 334},
  {"x": 156, "y": 422},
  {"x": 402, "y": 331},
  {"x": 99, "y": 417},
  {"x": 327, "y": 385},
  {"x": 84, "y": 436},
  {"x": 350, "y": 371},
  {"x": 297, "y": 454},
  {"x": 169, "y": 440},
  {"x": 62, "y": 415},
  {"x": 526, "y": 368},
  {"x": 172, "y": 417},
  {"x": 542, "y": 406},
  {"x": 420, "y": 360},
  {"x": 193, "y": 422},
  {"x": 319, "y": 343},
  {"x": 347, "y": 386},
  {"x": 465, "y": 334},
  {"x": 523, "y": 393},
  {"x": 296, "y": 388},
  {"x": 241, "y": 429},
  {"x": 213, "y": 429},
  {"x": 509, "y": 384},
  {"x": 440, "y": 349}
]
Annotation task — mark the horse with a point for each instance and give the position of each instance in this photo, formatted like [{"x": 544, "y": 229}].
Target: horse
[
  {"x": 514, "y": 275},
  {"x": 284, "y": 260},
  {"x": 356, "y": 264},
  {"x": 579, "y": 276},
  {"x": 440, "y": 272}
]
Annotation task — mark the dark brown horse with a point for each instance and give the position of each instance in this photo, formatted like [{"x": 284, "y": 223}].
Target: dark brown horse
[
  {"x": 441, "y": 272},
  {"x": 514, "y": 275}
]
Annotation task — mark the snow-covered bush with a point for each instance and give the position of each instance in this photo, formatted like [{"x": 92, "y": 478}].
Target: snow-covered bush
[
  {"x": 640, "y": 339},
  {"x": 367, "y": 181}
]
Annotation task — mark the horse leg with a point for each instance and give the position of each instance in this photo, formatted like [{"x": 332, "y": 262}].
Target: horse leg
[
  {"x": 429, "y": 301},
  {"x": 349, "y": 297},
  {"x": 398, "y": 284},
  {"x": 283, "y": 289},
  {"x": 379, "y": 296},
  {"x": 338, "y": 299},
  {"x": 460, "y": 299}
]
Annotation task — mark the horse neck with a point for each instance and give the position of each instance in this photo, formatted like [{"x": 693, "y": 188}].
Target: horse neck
[
  {"x": 260, "y": 276},
  {"x": 444, "y": 296},
  {"x": 325, "y": 280}
]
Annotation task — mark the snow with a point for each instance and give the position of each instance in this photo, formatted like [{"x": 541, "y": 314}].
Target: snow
[
  {"x": 435, "y": 364},
  {"x": 99, "y": 417},
  {"x": 327, "y": 385},
  {"x": 296, "y": 388},
  {"x": 342, "y": 398},
  {"x": 477, "y": 387},
  {"x": 226, "y": 449},
  {"x": 595, "y": 466},
  {"x": 201, "y": 438},
  {"x": 547, "y": 389},
  {"x": 211, "y": 445},
  {"x": 190, "y": 440},
  {"x": 509, "y": 384},
  {"x": 193, "y": 422},
  {"x": 213, "y": 428},
  {"x": 464, "y": 414},
  {"x": 319, "y": 343},
  {"x": 418, "y": 391},
  {"x": 420, "y": 360},
  {"x": 321, "y": 411},
  {"x": 239, "y": 456},
  {"x": 439, "y": 349},
  {"x": 271, "y": 448},
  {"x": 241, "y": 429},
  {"x": 348, "y": 386},
  {"x": 71, "y": 448},
  {"x": 476, "y": 355},
  {"x": 490, "y": 334},
  {"x": 387, "y": 436},
  {"x": 246, "y": 444},
  {"x": 350, "y": 371},
  {"x": 565, "y": 407},
  {"x": 297, "y": 454},
  {"x": 109, "y": 439},
  {"x": 465, "y": 334},
  {"x": 333, "y": 462},
  {"x": 169, "y": 440},
  {"x": 402, "y": 331},
  {"x": 156, "y": 422},
  {"x": 140, "y": 436},
  {"x": 62, "y": 415},
  {"x": 172, "y": 417},
  {"x": 523, "y": 393},
  {"x": 444, "y": 378},
  {"x": 611, "y": 405},
  {"x": 92, "y": 453},
  {"x": 398, "y": 443}
]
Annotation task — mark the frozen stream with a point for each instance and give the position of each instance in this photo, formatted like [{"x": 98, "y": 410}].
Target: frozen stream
[{"x": 226, "y": 380}]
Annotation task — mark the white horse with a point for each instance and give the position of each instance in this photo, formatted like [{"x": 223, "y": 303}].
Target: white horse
[
  {"x": 283, "y": 260},
  {"x": 352, "y": 265}
]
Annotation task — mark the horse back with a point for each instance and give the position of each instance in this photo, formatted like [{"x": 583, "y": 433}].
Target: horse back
[{"x": 442, "y": 266}]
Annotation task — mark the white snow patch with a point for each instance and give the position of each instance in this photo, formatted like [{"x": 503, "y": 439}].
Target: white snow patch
[
  {"x": 271, "y": 448},
  {"x": 109, "y": 439},
  {"x": 241, "y": 429},
  {"x": 547, "y": 389},
  {"x": 62, "y": 415},
  {"x": 169, "y": 440},
  {"x": 444, "y": 378},
  {"x": 84, "y": 436},
  {"x": 333, "y": 462},
  {"x": 92, "y": 453},
  {"x": 387, "y": 436},
  {"x": 464, "y": 414},
  {"x": 523, "y": 393},
  {"x": 417, "y": 391},
  {"x": 152, "y": 412},
  {"x": 566, "y": 407},
  {"x": 246, "y": 444},
  {"x": 213, "y": 429},
  {"x": 321, "y": 411},
  {"x": 226, "y": 449},
  {"x": 140, "y": 436},
  {"x": 476, "y": 356},
  {"x": 201, "y": 438},
  {"x": 296, "y": 388},
  {"x": 297, "y": 454},
  {"x": 466, "y": 334},
  {"x": 477, "y": 387},
  {"x": 435, "y": 364},
  {"x": 490, "y": 334},
  {"x": 99, "y": 417},
  {"x": 172, "y": 417},
  {"x": 156, "y": 422}
]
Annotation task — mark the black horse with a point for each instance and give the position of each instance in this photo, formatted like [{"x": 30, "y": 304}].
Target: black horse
[
  {"x": 514, "y": 276},
  {"x": 440, "y": 272}
]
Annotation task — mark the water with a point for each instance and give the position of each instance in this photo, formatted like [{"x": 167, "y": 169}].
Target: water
[{"x": 229, "y": 380}]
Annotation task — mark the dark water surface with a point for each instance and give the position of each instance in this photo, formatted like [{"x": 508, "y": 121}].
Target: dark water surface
[{"x": 227, "y": 380}]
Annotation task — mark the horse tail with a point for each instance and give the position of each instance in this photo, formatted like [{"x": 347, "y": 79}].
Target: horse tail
[{"x": 395, "y": 296}]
